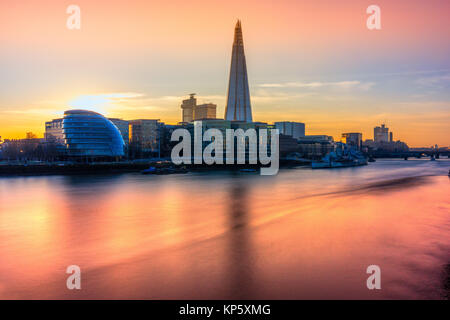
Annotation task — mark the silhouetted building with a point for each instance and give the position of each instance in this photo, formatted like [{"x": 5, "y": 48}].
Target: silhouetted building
[
  {"x": 381, "y": 134},
  {"x": 316, "y": 138},
  {"x": 352, "y": 139},
  {"x": 390, "y": 146},
  {"x": 145, "y": 137},
  {"x": 287, "y": 144},
  {"x": 315, "y": 146},
  {"x": 383, "y": 142},
  {"x": 293, "y": 129},
  {"x": 166, "y": 135},
  {"x": 22, "y": 149}
]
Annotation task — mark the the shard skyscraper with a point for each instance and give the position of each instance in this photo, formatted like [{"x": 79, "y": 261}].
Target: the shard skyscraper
[{"x": 238, "y": 103}]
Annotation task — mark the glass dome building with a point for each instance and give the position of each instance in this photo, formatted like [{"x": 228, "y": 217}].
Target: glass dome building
[{"x": 89, "y": 134}]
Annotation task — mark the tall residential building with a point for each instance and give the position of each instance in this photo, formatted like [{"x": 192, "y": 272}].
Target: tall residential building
[
  {"x": 188, "y": 107},
  {"x": 352, "y": 139},
  {"x": 144, "y": 135},
  {"x": 192, "y": 111},
  {"x": 294, "y": 129},
  {"x": 238, "y": 103},
  {"x": 123, "y": 127},
  {"x": 54, "y": 131},
  {"x": 205, "y": 111},
  {"x": 391, "y": 136},
  {"x": 381, "y": 134}
]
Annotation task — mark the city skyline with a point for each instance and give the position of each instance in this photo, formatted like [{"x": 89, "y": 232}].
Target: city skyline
[
  {"x": 324, "y": 69},
  {"x": 224, "y": 156}
]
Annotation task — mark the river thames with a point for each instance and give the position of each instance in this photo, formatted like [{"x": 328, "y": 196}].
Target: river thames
[{"x": 302, "y": 234}]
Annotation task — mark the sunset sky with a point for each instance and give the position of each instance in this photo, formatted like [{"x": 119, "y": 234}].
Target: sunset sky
[{"x": 309, "y": 61}]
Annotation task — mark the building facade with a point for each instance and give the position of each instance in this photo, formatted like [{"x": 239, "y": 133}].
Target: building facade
[
  {"x": 145, "y": 137},
  {"x": 381, "y": 134},
  {"x": 89, "y": 134},
  {"x": 390, "y": 146},
  {"x": 238, "y": 98},
  {"x": 188, "y": 107},
  {"x": 294, "y": 129},
  {"x": 317, "y": 138},
  {"x": 123, "y": 127},
  {"x": 352, "y": 139},
  {"x": 205, "y": 111},
  {"x": 22, "y": 149},
  {"x": 192, "y": 112},
  {"x": 316, "y": 146},
  {"x": 201, "y": 126},
  {"x": 54, "y": 131},
  {"x": 287, "y": 145}
]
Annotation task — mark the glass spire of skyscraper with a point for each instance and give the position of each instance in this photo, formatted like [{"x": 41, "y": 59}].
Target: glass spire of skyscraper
[{"x": 238, "y": 102}]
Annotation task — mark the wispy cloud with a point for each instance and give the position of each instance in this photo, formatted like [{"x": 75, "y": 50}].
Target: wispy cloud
[
  {"x": 96, "y": 100},
  {"x": 318, "y": 85},
  {"x": 180, "y": 98},
  {"x": 434, "y": 80},
  {"x": 30, "y": 111}
]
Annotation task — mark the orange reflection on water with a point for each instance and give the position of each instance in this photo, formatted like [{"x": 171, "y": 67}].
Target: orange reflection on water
[{"x": 225, "y": 235}]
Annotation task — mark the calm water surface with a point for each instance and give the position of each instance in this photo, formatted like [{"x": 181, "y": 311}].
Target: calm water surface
[{"x": 300, "y": 234}]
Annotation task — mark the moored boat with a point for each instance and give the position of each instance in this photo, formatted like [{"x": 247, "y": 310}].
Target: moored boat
[
  {"x": 343, "y": 156},
  {"x": 164, "y": 170},
  {"x": 338, "y": 163}
]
